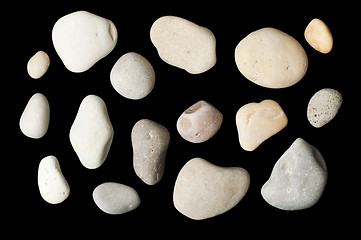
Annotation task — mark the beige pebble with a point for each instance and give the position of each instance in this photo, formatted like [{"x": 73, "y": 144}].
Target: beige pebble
[
  {"x": 38, "y": 64},
  {"x": 257, "y": 122},
  {"x": 319, "y": 36}
]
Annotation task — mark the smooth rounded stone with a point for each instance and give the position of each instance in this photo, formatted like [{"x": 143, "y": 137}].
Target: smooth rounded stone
[
  {"x": 150, "y": 142},
  {"x": 115, "y": 198},
  {"x": 203, "y": 190},
  {"x": 319, "y": 36},
  {"x": 91, "y": 134},
  {"x": 53, "y": 186},
  {"x": 271, "y": 58},
  {"x": 298, "y": 178},
  {"x": 81, "y": 39},
  {"x": 199, "y": 122},
  {"x": 132, "y": 76},
  {"x": 256, "y": 122},
  {"x": 323, "y": 107},
  {"x": 34, "y": 120},
  {"x": 184, "y": 44},
  {"x": 38, "y": 64}
]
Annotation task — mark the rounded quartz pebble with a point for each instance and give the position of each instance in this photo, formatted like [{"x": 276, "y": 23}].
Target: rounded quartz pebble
[
  {"x": 81, "y": 39},
  {"x": 271, "y": 58},
  {"x": 132, "y": 76},
  {"x": 38, "y": 64},
  {"x": 34, "y": 120},
  {"x": 203, "y": 190},
  {"x": 323, "y": 107},
  {"x": 53, "y": 186},
  {"x": 199, "y": 122},
  {"x": 319, "y": 36},
  {"x": 115, "y": 198},
  {"x": 184, "y": 44}
]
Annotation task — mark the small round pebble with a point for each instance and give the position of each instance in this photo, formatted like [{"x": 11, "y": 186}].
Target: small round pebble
[
  {"x": 319, "y": 36},
  {"x": 38, "y": 64}
]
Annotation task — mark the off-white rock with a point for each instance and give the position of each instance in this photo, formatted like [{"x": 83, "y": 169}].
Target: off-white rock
[
  {"x": 257, "y": 122},
  {"x": 91, "y": 134},
  {"x": 319, "y": 36},
  {"x": 323, "y": 106},
  {"x": 199, "y": 122},
  {"x": 150, "y": 142},
  {"x": 132, "y": 76},
  {"x": 271, "y": 58},
  {"x": 81, "y": 39},
  {"x": 203, "y": 190},
  {"x": 53, "y": 186},
  {"x": 298, "y": 178},
  {"x": 34, "y": 120},
  {"x": 38, "y": 64},
  {"x": 184, "y": 44},
  {"x": 115, "y": 198}
]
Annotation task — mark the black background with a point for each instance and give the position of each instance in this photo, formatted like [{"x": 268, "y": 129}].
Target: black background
[{"x": 175, "y": 90}]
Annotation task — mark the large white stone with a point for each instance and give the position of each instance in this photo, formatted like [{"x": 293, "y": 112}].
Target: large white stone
[
  {"x": 81, "y": 39},
  {"x": 91, "y": 134}
]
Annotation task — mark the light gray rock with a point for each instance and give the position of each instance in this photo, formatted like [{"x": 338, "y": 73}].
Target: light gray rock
[
  {"x": 132, "y": 76},
  {"x": 203, "y": 190},
  {"x": 150, "y": 142},
  {"x": 115, "y": 198},
  {"x": 298, "y": 178},
  {"x": 323, "y": 107}
]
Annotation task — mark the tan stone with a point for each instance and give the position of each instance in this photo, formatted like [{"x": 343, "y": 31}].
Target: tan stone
[
  {"x": 257, "y": 122},
  {"x": 319, "y": 36}
]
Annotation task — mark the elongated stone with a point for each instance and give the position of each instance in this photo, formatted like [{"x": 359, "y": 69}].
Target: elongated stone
[
  {"x": 38, "y": 64},
  {"x": 319, "y": 36}
]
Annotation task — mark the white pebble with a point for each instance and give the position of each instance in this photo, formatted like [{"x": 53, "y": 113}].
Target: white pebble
[{"x": 38, "y": 64}]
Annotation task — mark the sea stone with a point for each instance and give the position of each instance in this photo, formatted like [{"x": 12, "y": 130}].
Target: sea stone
[
  {"x": 323, "y": 107},
  {"x": 115, "y": 198},
  {"x": 132, "y": 76},
  {"x": 184, "y": 44},
  {"x": 53, "y": 186},
  {"x": 257, "y": 122},
  {"x": 38, "y": 65},
  {"x": 81, "y": 39},
  {"x": 34, "y": 120},
  {"x": 199, "y": 122},
  {"x": 150, "y": 142},
  {"x": 298, "y": 178},
  {"x": 203, "y": 190},
  {"x": 271, "y": 58},
  {"x": 91, "y": 134},
  {"x": 319, "y": 36}
]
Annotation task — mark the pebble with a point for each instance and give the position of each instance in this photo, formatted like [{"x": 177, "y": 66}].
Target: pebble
[
  {"x": 150, "y": 142},
  {"x": 81, "y": 39},
  {"x": 34, "y": 120},
  {"x": 323, "y": 107},
  {"x": 257, "y": 122},
  {"x": 132, "y": 76},
  {"x": 271, "y": 58},
  {"x": 298, "y": 178},
  {"x": 184, "y": 44},
  {"x": 199, "y": 122},
  {"x": 115, "y": 198},
  {"x": 38, "y": 65},
  {"x": 319, "y": 36},
  {"x": 91, "y": 134},
  {"x": 203, "y": 190},
  {"x": 53, "y": 186}
]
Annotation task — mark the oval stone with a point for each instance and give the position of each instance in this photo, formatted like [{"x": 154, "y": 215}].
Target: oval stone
[
  {"x": 203, "y": 190},
  {"x": 132, "y": 76},
  {"x": 184, "y": 44},
  {"x": 271, "y": 58},
  {"x": 199, "y": 122},
  {"x": 38, "y": 64},
  {"x": 115, "y": 198},
  {"x": 319, "y": 36}
]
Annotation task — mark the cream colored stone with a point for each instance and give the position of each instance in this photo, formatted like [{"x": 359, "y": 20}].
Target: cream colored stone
[
  {"x": 257, "y": 122},
  {"x": 38, "y": 64},
  {"x": 271, "y": 58},
  {"x": 184, "y": 44},
  {"x": 319, "y": 36}
]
